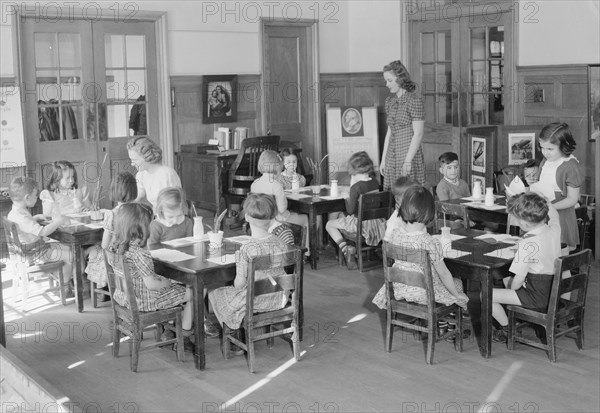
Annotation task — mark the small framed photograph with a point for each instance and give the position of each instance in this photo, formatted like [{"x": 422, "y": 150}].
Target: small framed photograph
[
  {"x": 478, "y": 154},
  {"x": 594, "y": 104},
  {"x": 480, "y": 179},
  {"x": 521, "y": 148},
  {"x": 219, "y": 100}
]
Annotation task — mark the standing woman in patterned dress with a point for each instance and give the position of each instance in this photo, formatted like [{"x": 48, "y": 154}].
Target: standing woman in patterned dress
[{"x": 402, "y": 152}]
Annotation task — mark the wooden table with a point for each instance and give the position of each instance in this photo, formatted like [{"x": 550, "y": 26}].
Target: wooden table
[
  {"x": 313, "y": 206},
  {"x": 2, "y": 331},
  {"x": 78, "y": 237},
  {"x": 483, "y": 269},
  {"x": 498, "y": 216},
  {"x": 199, "y": 274}
]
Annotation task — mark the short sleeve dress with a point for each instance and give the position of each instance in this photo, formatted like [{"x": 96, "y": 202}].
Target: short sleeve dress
[
  {"x": 420, "y": 240},
  {"x": 401, "y": 112}
]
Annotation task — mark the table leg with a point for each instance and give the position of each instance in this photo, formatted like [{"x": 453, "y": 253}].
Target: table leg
[
  {"x": 486, "y": 314},
  {"x": 2, "y": 331},
  {"x": 78, "y": 276},
  {"x": 198, "y": 309},
  {"x": 314, "y": 239}
]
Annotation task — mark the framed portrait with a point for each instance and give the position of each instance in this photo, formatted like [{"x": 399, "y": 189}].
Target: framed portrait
[
  {"x": 219, "y": 99},
  {"x": 352, "y": 122},
  {"x": 594, "y": 102},
  {"x": 521, "y": 148},
  {"x": 478, "y": 154}
]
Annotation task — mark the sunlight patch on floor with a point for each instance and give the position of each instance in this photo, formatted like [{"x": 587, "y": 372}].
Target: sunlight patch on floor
[
  {"x": 79, "y": 363},
  {"x": 260, "y": 383},
  {"x": 501, "y": 386},
  {"x": 357, "y": 317}
]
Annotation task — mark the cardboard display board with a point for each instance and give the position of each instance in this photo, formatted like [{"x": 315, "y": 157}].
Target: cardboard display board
[
  {"x": 351, "y": 129},
  {"x": 12, "y": 144}
]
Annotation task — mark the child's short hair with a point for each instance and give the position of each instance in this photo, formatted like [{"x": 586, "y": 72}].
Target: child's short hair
[
  {"x": 170, "y": 198},
  {"x": 123, "y": 188},
  {"x": 269, "y": 162},
  {"x": 58, "y": 168},
  {"x": 260, "y": 206},
  {"x": 20, "y": 187},
  {"x": 559, "y": 134},
  {"x": 146, "y": 148},
  {"x": 361, "y": 163},
  {"x": 447, "y": 158},
  {"x": 529, "y": 207},
  {"x": 132, "y": 221},
  {"x": 401, "y": 185},
  {"x": 417, "y": 205},
  {"x": 286, "y": 152}
]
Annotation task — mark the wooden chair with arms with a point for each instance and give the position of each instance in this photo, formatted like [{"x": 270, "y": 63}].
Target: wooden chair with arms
[
  {"x": 428, "y": 314},
  {"x": 130, "y": 320},
  {"x": 372, "y": 205},
  {"x": 21, "y": 259},
  {"x": 244, "y": 169},
  {"x": 255, "y": 323},
  {"x": 568, "y": 314}
]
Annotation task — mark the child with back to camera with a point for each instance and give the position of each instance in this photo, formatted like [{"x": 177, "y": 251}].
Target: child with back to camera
[
  {"x": 152, "y": 291},
  {"x": 451, "y": 186},
  {"x": 560, "y": 178},
  {"x": 417, "y": 210},
  {"x": 533, "y": 267},
  {"x": 269, "y": 164},
  {"x": 171, "y": 220},
  {"x": 395, "y": 222},
  {"x": 289, "y": 176},
  {"x": 63, "y": 194},
  {"x": 363, "y": 179},
  {"x": 123, "y": 189},
  {"x": 24, "y": 194},
  {"x": 229, "y": 303}
]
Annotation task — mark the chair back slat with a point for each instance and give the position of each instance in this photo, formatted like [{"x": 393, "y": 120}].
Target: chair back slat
[
  {"x": 299, "y": 233},
  {"x": 12, "y": 236},
  {"x": 443, "y": 210},
  {"x": 289, "y": 282},
  {"x": 373, "y": 205},
  {"x": 392, "y": 274},
  {"x": 244, "y": 169},
  {"x": 579, "y": 263},
  {"x": 118, "y": 271}
]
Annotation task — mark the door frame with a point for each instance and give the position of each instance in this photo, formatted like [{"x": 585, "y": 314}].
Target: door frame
[
  {"x": 164, "y": 87},
  {"x": 314, "y": 118}
]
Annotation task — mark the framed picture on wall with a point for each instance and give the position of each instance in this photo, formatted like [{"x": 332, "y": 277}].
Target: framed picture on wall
[
  {"x": 594, "y": 102},
  {"x": 521, "y": 148},
  {"x": 478, "y": 154},
  {"x": 218, "y": 99}
]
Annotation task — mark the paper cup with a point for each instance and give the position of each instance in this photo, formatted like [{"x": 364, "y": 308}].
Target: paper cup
[
  {"x": 316, "y": 189},
  {"x": 215, "y": 239}
]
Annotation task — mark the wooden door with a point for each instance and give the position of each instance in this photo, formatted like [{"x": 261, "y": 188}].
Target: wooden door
[
  {"x": 87, "y": 82},
  {"x": 290, "y": 79},
  {"x": 59, "y": 97},
  {"x": 126, "y": 76}
]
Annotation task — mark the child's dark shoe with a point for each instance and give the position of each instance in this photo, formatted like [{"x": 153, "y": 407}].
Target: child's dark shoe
[
  {"x": 211, "y": 330},
  {"x": 349, "y": 255},
  {"x": 500, "y": 336}
]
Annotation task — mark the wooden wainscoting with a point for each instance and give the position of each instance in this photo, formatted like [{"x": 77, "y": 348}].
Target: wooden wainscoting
[{"x": 564, "y": 90}]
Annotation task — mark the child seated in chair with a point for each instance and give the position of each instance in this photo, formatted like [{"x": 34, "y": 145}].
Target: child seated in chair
[
  {"x": 417, "y": 210},
  {"x": 533, "y": 266},
  {"x": 171, "y": 220},
  {"x": 395, "y": 222},
  {"x": 363, "y": 180},
  {"x": 289, "y": 178},
  {"x": 451, "y": 186},
  {"x": 229, "y": 303},
  {"x": 23, "y": 192}
]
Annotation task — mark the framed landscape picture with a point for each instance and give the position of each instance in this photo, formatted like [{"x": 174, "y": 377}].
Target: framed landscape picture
[
  {"x": 218, "y": 99},
  {"x": 478, "y": 154},
  {"x": 521, "y": 148}
]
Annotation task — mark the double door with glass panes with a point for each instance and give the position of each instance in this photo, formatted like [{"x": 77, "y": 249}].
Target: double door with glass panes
[{"x": 88, "y": 87}]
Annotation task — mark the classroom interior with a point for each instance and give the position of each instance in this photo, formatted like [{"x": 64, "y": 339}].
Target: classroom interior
[{"x": 486, "y": 69}]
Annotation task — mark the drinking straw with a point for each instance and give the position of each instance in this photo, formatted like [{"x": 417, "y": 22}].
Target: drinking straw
[{"x": 194, "y": 208}]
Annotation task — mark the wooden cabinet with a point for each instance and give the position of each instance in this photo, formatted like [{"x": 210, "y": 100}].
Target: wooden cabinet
[{"x": 204, "y": 178}]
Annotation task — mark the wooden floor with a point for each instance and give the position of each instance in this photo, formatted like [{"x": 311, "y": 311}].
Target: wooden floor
[{"x": 344, "y": 367}]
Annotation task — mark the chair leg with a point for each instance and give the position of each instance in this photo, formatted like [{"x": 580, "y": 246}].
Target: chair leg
[
  {"x": 458, "y": 337},
  {"x": 359, "y": 255},
  {"x": 551, "y": 342},
  {"x": 389, "y": 331},
  {"x": 511, "y": 331},
  {"x": 116, "y": 340},
  {"x": 225, "y": 342},
  {"x": 61, "y": 285},
  {"x": 250, "y": 346},
  {"x": 24, "y": 277},
  {"x": 579, "y": 333},
  {"x": 135, "y": 351},
  {"x": 431, "y": 338},
  {"x": 270, "y": 340},
  {"x": 295, "y": 341},
  {"x": 179, "y": 336},
  {"x": 93, "y": 294}
]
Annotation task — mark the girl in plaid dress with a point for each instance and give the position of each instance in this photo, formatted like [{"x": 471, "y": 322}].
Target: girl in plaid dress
[
  {"x": 152, "y": 291},
  {"x": 402, "y": 151}
]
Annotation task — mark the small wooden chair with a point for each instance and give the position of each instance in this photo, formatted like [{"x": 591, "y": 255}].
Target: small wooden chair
[
  {"x": 564, "y": 316},
  {"x": 447, "y": 212},
  {"x": 255, "y": 323},
  {"x": 21, "y": 259},
  {"x": 130, "y": 320},
  {"x": 372, "y": 205},
  {"x": 428, "y": 314}
]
